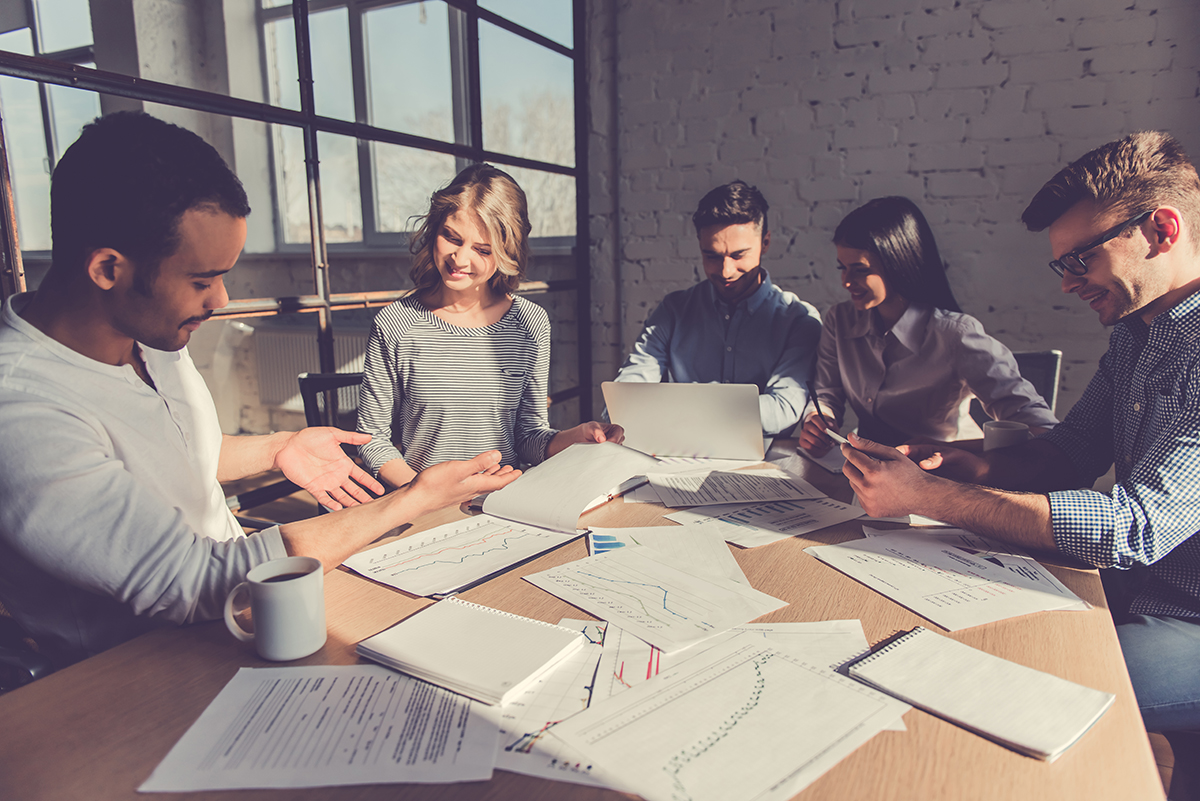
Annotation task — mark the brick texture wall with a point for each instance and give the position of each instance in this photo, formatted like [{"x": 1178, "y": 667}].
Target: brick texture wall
[{"x": 965, "y": 106}]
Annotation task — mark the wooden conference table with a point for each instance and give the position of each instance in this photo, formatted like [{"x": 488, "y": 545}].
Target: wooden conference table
[{"x": 97, "y": 729}]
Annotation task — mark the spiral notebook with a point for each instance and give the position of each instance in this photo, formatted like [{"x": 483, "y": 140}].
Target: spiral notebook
[
  {"x": 1032, "y": 712},
  {"x": 474, "y": 650}
]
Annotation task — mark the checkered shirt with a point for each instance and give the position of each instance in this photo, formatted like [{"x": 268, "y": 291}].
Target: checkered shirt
[{"x": 1141, "y": 411}]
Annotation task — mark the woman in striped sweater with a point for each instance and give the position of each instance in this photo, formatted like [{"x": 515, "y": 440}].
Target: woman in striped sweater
[{"x": 460, "y": 365}]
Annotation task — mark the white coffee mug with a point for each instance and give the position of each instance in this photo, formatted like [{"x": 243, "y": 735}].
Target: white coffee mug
[
  {"x": 1002, "y": 433},
  {"x": 287, "y": 604}
]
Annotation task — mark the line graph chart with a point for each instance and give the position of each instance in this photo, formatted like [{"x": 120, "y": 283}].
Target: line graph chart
[
  {"x": 454, "y": 555},
  {"x": 729, "y": 709},
  {"x": 525, "y": 746},
  {"x": 661, "y": 604}
]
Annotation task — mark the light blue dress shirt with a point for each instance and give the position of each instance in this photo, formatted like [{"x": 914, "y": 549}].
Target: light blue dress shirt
[{"x": 768, "y": 339}]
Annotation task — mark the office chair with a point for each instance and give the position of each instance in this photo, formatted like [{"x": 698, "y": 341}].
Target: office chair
[
  {"x": 325, "y": 395},
  {"x": 1041, "y": 368},
  {"x": 20, "y": 662}
]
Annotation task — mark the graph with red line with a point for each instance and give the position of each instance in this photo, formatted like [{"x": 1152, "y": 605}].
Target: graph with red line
[{"x": 454, "y": 555}]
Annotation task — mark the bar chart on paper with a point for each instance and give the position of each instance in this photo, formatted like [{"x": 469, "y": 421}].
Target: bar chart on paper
[
  {"x": 652, "y": 600},
  {"x": 454, "y": 555}
]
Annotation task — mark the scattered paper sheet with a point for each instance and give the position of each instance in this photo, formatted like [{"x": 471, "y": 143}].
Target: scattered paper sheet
[
  {"x": 643, "y": 494},
  {"x": 698, "y": 550},
  {"x": 330, "y": 725},
  {"x": 761, "y": 524},
  {"x": 738, "y": 721},
  {"x": 1000, "y": 554},
  {"x": 955, "y": 585},
  {"x": 832, "y": 461},
  {"x": 554, "y": 493},
  {"x": 455, "y": 555},
  {"x": 628, "y": 661},
  {"x": 661, "y": 604},
  {"x": 720, "y": 487},
  {"x": 524, "y": 746}
]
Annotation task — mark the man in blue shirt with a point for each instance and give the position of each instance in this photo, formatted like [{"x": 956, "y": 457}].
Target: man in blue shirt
[
  {"x": 1123, "y": 222},
  {"x": 736, "y": 327}
]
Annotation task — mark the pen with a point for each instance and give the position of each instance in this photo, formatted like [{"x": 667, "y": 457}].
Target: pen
[{"x": 830, "y": 430}]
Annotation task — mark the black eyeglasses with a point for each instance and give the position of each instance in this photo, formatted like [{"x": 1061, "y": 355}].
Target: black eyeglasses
[{"x": 1071, "y": 263}]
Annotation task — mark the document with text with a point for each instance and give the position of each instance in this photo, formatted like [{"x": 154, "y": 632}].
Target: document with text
[
  {"x": 330, "y": 725},
  {"x": 951, "y": 583},
  {"x": 761, "y": 524},
  {"x": 738, "y": 486}
]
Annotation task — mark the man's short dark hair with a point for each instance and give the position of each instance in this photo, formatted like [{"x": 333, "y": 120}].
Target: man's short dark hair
[
  {"x": 736, "y": 203},
  {"x": 1138, "y": 173},
  {"x": 125, "y": 183}
]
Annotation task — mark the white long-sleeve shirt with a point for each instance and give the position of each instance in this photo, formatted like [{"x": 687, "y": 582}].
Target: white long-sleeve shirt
[
  {"x": 111, "y": 516},
  {"x": 917, "y": 378}
]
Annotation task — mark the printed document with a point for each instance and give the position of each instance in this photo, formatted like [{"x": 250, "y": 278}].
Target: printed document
[
  {"x": 740, "y": 486},
  {"x": 737, "y": 721},
  {"x": 761, "y": 524},
  {"x": 455, "y": 555},
  {"x": 699, "y": 550},
  {"x": 955, "y": 584},
  {"x": 665, "y": 606},
  {"x": 524, "y": 723},
  {"x": 330, "y": 725}
]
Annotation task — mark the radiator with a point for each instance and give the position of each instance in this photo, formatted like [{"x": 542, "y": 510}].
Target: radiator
[{"x": 284, "y": 353}]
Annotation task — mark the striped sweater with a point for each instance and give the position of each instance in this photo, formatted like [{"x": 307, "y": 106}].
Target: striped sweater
[{"x": 433, "y": 391}]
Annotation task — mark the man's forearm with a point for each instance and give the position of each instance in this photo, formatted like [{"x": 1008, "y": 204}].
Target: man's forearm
[
  {"x": 244, "y": 456},
  {"x": 1019, "y": 518}
]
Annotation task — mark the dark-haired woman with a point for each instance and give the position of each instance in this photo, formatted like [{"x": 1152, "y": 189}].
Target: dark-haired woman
[
  {"x": 900, "y": 351},
  {"x": 461, "y": 365}
]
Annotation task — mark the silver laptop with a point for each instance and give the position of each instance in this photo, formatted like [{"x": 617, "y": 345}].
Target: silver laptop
[{"x": 717, "y": 421}]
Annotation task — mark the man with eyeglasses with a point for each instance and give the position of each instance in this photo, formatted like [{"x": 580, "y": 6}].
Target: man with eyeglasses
[{"x": 1124, "y": 222}]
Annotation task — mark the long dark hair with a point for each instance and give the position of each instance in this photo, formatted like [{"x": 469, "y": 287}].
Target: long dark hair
[{"x": 894, "y": 231}]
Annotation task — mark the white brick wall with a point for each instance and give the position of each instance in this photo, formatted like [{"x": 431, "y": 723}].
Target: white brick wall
[{"x": 966, "y": 106}]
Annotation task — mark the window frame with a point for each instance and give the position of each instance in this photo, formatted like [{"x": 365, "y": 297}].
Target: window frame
[{"x": 44, "y": 70}]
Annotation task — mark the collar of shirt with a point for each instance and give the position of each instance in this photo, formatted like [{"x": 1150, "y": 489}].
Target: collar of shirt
[
  {"x": 751, "y": 303},
  {"x": 13, "y": 319},
  {"x": 1174, "y": 328},
  {"x": 909, "y": 330}
]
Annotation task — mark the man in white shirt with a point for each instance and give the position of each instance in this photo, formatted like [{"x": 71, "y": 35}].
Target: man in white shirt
[{"x": 113, "y": 519}]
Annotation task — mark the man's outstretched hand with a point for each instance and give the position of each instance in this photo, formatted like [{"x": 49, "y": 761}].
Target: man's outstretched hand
[
  {"x": 452, "y": 483},
  {"x": 314, "y": 459}
]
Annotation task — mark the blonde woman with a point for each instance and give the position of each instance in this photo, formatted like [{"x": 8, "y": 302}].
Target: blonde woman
[{"x": 461, "y": 365}]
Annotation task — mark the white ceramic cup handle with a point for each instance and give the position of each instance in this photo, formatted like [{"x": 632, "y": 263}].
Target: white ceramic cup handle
[{"x": 235, "y": 629}]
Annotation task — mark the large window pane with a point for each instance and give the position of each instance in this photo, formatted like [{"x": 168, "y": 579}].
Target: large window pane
[
  {"x": 339, "y": 186},
  {"x": 550, "y": 18},
  {"x": 404, "y": 179},
  {"x": 70, "y": 110},
  {"x": 63, "y": 24},
  {"x": 527, "y": 92},
  {"x": 408, "y": 69},
  {"x": 29, "y": 169},
  {"x": 333, "y": 87},
  {"x": 551, "y": 199}
]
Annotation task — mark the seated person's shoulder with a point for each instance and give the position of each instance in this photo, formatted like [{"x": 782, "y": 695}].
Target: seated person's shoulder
[{"x": 531, "y": 317}]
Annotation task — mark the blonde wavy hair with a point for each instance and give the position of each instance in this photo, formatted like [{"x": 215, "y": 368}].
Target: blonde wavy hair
[{"x": 494, "y": 197}]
